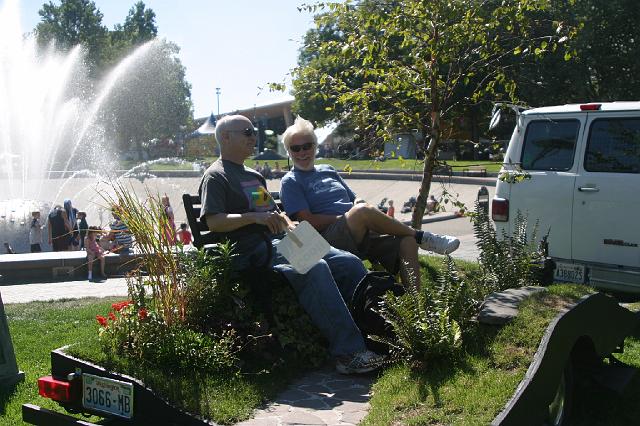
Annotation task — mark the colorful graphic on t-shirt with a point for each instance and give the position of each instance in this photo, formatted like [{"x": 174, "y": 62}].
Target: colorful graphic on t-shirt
[
  {"x": 326, "y": 184},
  {"x": 259, "y": 198}
]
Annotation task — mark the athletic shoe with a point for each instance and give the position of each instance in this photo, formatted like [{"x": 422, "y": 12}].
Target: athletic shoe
[
  {"x": 358, "y": 363},
  {"x": 441, "y": 244}
]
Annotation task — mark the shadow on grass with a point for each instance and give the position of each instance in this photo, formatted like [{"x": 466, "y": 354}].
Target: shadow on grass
[
  {"x": 5, "y": 396},
  {"x": 477, "y": 341},
  {"x": 597, "y": 405}
]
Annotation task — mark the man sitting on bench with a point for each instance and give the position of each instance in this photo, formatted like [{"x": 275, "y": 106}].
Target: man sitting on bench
[{"x": 230, "y": 194}]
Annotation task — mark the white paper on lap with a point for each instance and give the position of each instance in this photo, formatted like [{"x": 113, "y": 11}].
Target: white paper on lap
[{"x": 303, "y": 247}]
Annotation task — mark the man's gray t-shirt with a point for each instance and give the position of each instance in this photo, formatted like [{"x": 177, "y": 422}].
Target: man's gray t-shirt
[{"x": 228, "y": 187}]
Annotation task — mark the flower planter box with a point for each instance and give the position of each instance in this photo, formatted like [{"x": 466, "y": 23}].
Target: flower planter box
[{"x": 145, "y": 406}]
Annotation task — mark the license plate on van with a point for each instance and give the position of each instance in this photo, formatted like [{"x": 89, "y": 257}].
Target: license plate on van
[
  {"x": 107, "y": 395},
  {"x": 570, "y": 272}
]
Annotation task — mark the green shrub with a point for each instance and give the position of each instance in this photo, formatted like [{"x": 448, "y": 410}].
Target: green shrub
[
  {"x": 136, "y": 333},
  {"x": 510, "y": 261},
  {"x": 427, "y": 322}
]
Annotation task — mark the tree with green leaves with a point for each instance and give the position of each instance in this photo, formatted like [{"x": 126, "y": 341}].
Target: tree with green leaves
[
  {"x": 151, "y": 101},
  {"x": 601, "y": 62},
  {"x": 139, "y": 27},
  {"x": 71, "y": 23},
  {"x": 410, "y": 64}
]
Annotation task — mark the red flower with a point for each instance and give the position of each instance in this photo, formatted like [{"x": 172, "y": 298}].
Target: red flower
[
  {"x": 120, "y": 305},
  {"x": 112, "y": 316},
  {"x": 142, "y": 314},
  {"x": 102, "y": 320}
]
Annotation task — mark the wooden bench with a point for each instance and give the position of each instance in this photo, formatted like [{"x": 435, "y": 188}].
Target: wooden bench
[
  {"x": 202, "y": 236},
  {"x": 475, "y": 171},
  {"x": 443, "y": 170}
]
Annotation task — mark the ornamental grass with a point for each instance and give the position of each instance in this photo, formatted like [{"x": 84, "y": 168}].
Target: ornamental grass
[{"x": 152, "y": 232}]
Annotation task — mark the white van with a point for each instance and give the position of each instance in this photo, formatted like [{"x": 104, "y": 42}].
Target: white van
[{"x": 583, "y": 167}]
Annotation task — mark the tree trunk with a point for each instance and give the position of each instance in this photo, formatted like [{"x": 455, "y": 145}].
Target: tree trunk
[
  {"x": 434, "y": 140},
  {"x": 427, "y": 172}
]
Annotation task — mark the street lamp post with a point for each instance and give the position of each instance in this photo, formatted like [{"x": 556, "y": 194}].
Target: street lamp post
[{"x": 218, "y": 98}]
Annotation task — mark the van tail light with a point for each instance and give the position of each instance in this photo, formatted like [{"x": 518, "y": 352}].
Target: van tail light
[
  {"x": 58, "y": 390},
  {"x": 590, "y": 107},
  {"x": 500, "y": 210}
]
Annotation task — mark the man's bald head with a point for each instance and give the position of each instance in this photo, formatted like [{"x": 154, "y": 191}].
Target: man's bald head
[
  {"x": 236, "y": 137},
  {"x": 231, "y": 122}
]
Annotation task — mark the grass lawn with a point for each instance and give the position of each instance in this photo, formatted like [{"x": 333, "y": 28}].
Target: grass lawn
[
  {"x": 474, "y": 387},
  {"x": 392, "y": 164},
  {"x": 469, "y": 389},
  {"x": 39, "y": 327}
]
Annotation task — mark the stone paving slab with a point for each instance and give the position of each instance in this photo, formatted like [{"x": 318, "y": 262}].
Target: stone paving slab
[{"x": 320, "y": 398}]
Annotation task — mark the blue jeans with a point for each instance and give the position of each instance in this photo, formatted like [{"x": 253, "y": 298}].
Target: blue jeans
[{"x": 322, "y": 292}]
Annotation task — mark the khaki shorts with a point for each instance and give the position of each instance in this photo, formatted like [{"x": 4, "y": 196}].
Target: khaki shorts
[{"x": 383, "y": 249}]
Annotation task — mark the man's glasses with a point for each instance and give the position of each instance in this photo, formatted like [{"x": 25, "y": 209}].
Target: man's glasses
[
  {"x": 249, "y": 131},
  {"x": 304, "y": 147}
]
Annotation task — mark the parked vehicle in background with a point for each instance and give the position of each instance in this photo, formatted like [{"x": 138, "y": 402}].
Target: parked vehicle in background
[{"x": 581, "y": 169}]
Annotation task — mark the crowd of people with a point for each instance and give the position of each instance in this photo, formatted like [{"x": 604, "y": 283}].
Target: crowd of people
[
  {"x": 68, "y": 229},
  {"x": 266, "y": 171}
]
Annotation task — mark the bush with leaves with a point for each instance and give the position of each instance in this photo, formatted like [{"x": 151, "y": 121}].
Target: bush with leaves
[
  {"x": 257, "y": 308},
  {"x": 427, "y": 322},
  {"x": 142, "y": 335},
  {"x": 200, "y": 313},
  {"x": 512, "y": 260}
]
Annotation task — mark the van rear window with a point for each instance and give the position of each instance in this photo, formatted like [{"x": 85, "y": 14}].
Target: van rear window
[
  {"x": 550, "y": 145},
  {"x": 614, "y": 146}
]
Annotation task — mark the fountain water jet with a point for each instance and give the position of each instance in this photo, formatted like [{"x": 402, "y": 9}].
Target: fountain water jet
[{"x": 50, "y": 126}]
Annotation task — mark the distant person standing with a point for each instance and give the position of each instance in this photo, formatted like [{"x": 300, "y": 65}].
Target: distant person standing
[
  {"x": 184, "y": 235},
  {"x": 35, "y": 233},
  {"x": 257, "y": 167},
  {"x": 72, "y": 218},
  {"x": 170, "y": 226},
  {"x": 83, "y": 227},
  {"x": 94, "y": 251},
  {"x": 266, "y": 171},
  {"x": 391, "y": 211},
  {"x": 59, "y": 229}
]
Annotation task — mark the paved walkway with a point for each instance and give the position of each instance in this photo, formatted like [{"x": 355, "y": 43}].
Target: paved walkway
[
  {"x": 23, "y": 293},
  {"x": 321, "y": 398}
]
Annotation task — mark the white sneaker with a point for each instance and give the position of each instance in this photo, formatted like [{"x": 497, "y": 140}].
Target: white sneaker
[
  {"x": 358, "y": 363},
  {"x": 441, "y": 244}
]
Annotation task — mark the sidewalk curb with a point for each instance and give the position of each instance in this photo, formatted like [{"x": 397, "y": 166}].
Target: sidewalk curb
[
  {"x": 466, "y": 180},
  {"x": 435, "y": 218}
]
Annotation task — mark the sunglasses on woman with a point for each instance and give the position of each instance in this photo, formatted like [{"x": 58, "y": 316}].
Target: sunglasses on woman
[
  {"x": 249, "y": 131},
  {"x": 304, "y": 147}
]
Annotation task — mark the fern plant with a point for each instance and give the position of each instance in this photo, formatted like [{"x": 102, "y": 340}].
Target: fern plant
[
  {"x": 428, "y": 322},
  {"x": 511, "y": 260}
]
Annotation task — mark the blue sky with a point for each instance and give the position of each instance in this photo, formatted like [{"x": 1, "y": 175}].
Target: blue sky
[{"x": 237, "y": 45}]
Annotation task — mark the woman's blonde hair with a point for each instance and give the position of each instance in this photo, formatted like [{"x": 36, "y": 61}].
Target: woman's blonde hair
[{"x": 299, "y": 127}]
